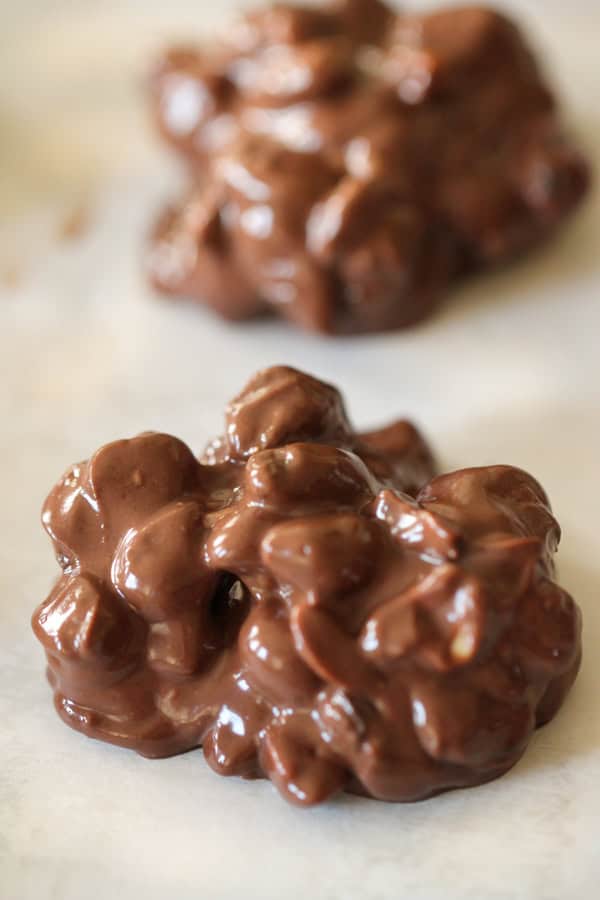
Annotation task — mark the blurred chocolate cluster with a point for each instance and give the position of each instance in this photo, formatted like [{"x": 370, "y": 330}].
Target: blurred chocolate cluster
[{"x": 349, "y": 163}]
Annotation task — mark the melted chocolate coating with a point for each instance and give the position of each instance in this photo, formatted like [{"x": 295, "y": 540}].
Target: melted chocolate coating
[
  {"x": 307, "y": 603},
  {"x": 350, "y": 163}
]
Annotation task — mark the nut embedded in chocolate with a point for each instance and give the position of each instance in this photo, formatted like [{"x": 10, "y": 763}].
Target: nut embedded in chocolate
[
  {"x": 349, "y": 163},
  {"x": 307, "y": 603}
]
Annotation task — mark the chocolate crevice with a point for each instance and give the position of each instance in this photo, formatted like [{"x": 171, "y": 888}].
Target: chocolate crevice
[{"x": 229, "y": 607}]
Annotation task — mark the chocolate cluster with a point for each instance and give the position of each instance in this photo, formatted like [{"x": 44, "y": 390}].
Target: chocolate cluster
[
  {"x": 349, "y": 163},
  {"x": 307, "y": 603}
]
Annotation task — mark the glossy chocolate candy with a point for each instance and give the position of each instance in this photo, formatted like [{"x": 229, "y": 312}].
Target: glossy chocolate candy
[
  {"x": 307, "y": 603},
  {"x": 349, "y": 163}
]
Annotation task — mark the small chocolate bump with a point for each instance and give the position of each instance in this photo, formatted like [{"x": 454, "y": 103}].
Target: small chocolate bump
[
  {"x": 281, "y": 406},
  {"x": 322, "y": 556}
]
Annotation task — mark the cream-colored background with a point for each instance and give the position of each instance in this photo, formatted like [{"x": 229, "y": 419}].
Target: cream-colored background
[{"x": 508, "y": 371}]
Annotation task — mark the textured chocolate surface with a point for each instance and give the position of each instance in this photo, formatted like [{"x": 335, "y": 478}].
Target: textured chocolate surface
[
  {"x": 307, "y": 603},
  {"x": 349, "y": 164}
]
